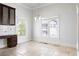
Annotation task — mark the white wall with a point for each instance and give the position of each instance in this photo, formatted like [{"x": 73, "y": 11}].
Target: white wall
[
  {"x": 78, "y": 28},
  {"x": 68, "y": 22},
  {"x": 21, "y": 13},
  {"x": 67, "y": 16}
]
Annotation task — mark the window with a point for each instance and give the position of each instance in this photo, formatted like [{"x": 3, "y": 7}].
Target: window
[
  {"x": 53, "y": 29},
  {"x": 50, "y": 28}
]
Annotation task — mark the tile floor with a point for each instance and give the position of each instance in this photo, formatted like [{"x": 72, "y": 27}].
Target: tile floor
[{"x": 33, "y": 48}]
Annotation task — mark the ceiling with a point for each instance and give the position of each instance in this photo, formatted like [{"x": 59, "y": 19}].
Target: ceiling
[{"x": 35, "y": 5}]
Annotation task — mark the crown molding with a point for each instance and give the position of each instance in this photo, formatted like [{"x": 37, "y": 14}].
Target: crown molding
[
  {"x": 25, "y": 6},
  {"x": 42, "y": 6}
]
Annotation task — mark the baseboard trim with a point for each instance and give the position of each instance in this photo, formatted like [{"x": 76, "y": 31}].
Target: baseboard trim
[
  {"x": 24, "y": 42},
  {"x": 61, "y": 44}
]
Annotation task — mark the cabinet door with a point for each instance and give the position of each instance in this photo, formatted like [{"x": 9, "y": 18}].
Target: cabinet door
[
  {"x": 5, "y": 17},
  {"x": 0, "y": 14},
  {"x": 12, "y": 41},
  {"x": 12, "y": 16}
]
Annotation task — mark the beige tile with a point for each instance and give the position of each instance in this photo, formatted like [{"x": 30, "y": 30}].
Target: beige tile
[{"x": 33, "y": 48}]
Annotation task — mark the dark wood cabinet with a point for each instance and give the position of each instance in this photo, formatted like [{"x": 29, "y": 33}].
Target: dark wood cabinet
[
  {"x": 0, "y": 14},
  {"x": 5, "y": 20},
  {"x": 12, "y": 16},
  {"x": 11, "y": 40},
  {"x": 7, "y": 15}
]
